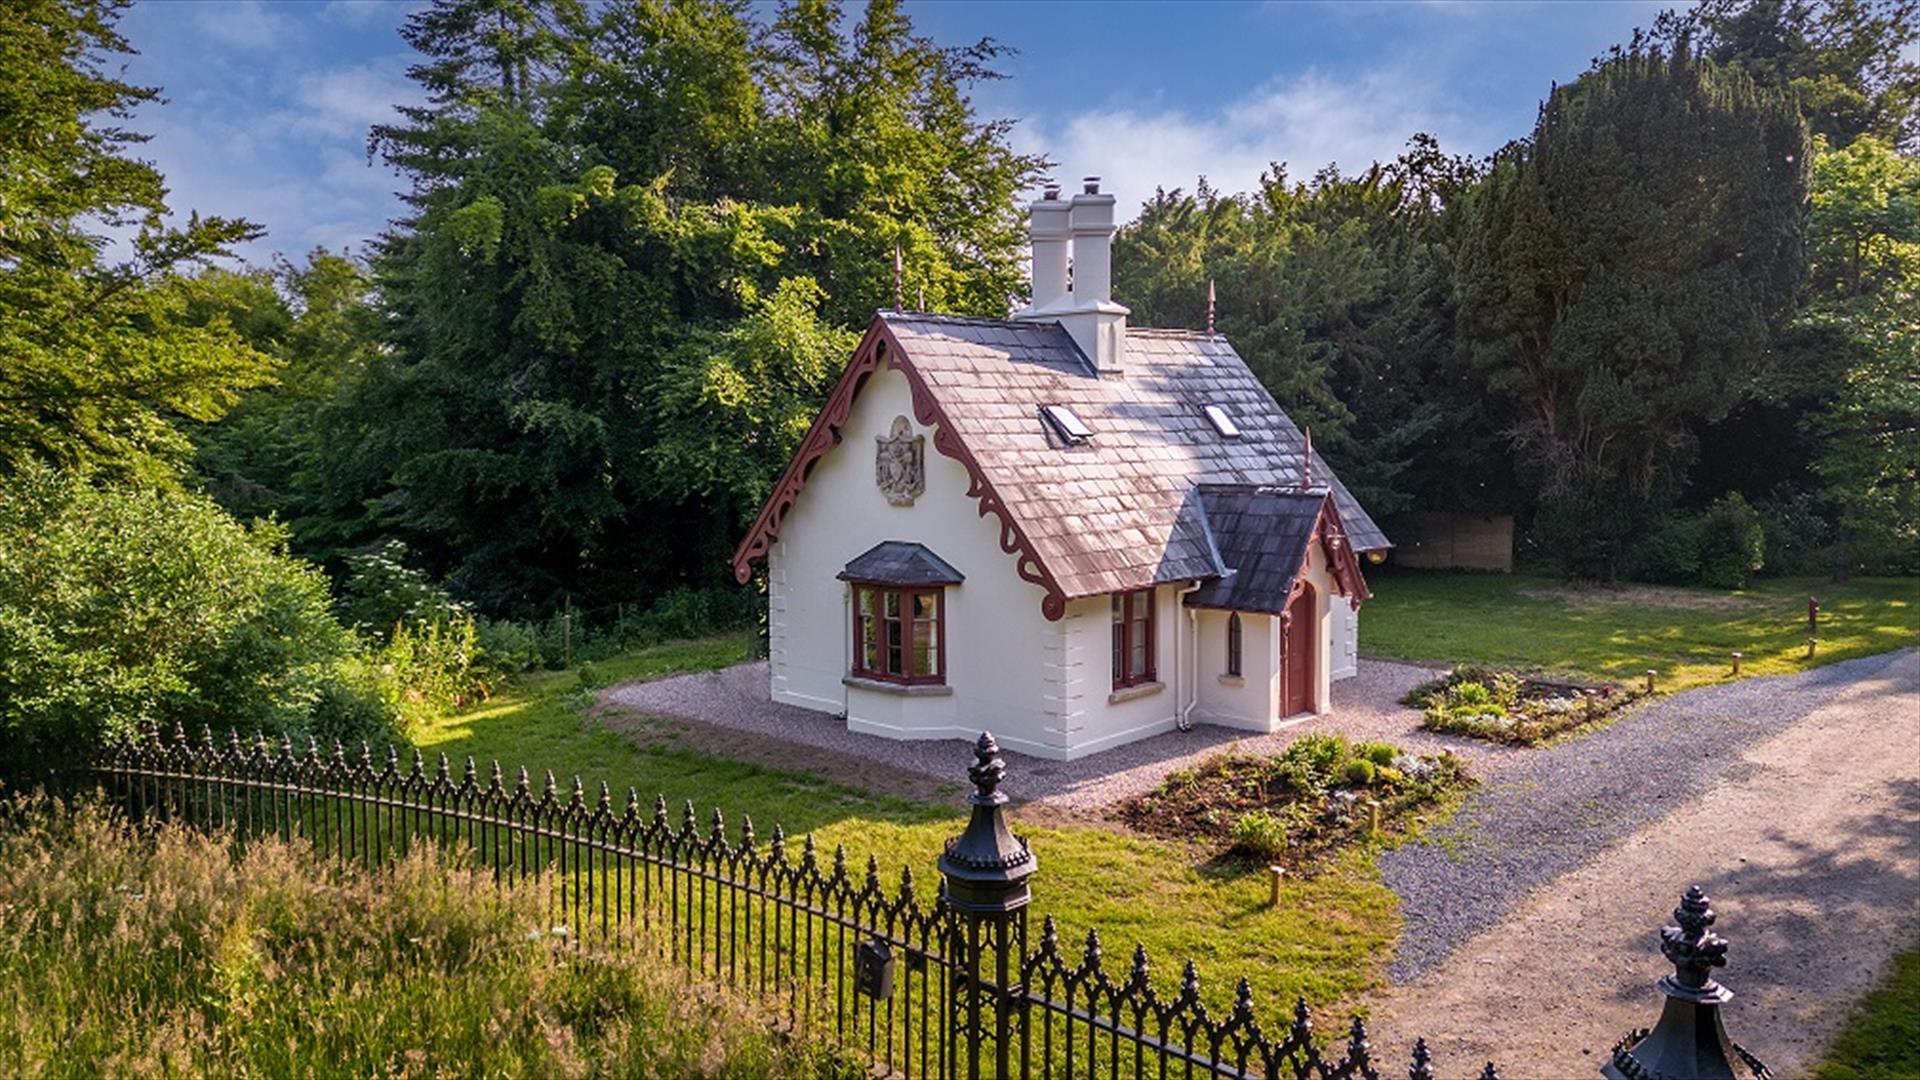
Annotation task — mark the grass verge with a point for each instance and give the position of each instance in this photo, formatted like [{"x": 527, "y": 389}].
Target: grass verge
[
  {"x": 1686, "y": 635},
  {"x": 1328, "y": 940},
  {"x": 175, "y": 955},
  {"x": 1882, "y": 1041}
]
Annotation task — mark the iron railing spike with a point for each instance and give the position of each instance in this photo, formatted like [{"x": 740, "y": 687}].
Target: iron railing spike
[
  {"x": 1422, "y": 1062},
  {"x": 746, "y": 832},
  {"x": 1490, "y": 1073}
]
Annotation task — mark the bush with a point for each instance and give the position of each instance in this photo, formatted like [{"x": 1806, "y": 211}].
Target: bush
[
  {"x": 380, "y": 591},
  {"x": 1360, "y": 772},
  {"x": 120, "y": 608},
  {"x": 1798, "y": 539},
  {"x": 180, "y": 954},
  {"x": 1259, "y": 833},
  {"x": 1733, "y": 545},
  {"x": 1668, "y": 553},
  {"x": 1380, "y": 753}
]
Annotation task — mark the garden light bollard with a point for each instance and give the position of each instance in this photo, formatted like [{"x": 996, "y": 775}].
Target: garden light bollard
[
  {"x": 1810, "y": 644},
  {"x": 1278, "y": 876},
  {"x": 1736, "y": 662},
  {"x": 986, "y": 869},
  {"x": 1813, "y": 617},
  {"x": 1689, "y": 1042},
  {"x": 1650, "y": 674}
]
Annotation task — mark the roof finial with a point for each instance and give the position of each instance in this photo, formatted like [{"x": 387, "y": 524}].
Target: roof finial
[
  {"x": 923, "y": 296},
  {"x": 896, "y": 275},
  {"x": 1209, "y": 307},
  {"x": 1306, "y": 462}
]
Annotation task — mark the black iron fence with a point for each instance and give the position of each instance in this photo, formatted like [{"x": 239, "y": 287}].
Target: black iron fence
[{"x": 948, "y": 987}]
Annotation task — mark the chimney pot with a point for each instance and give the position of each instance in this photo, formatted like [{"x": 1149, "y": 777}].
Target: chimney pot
[
  {"x": 1052, "y": 193},
  {"x": 1093, "y": 185}
]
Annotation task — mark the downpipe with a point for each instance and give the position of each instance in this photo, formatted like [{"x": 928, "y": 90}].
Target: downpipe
[{"x": 1183, "y": 714}]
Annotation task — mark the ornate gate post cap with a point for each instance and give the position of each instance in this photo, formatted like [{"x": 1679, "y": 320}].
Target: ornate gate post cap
[
  {"x": 1694, "y": 950},
  {"x": 1690, "y": 1041},
  {"x": 986, "y": 867}
]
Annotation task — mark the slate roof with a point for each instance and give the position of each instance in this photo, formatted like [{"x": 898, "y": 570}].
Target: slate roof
[
  {"x": 1262, "y": 537},
  {"x": 1123, "y": 509},
  {"x": 897, "y": 562}
]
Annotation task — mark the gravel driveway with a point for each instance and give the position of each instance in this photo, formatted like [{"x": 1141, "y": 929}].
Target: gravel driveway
[
  {"x": 1532, "y": 916},
  {"x": 735, "y": 700}
]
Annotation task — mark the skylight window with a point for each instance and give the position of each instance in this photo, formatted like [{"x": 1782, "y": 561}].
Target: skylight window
[
  {"x": 1065, "y": 424},
  {"x": 1221, "y": 422}
]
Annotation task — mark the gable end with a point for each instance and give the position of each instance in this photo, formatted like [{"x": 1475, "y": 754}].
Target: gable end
[{"x": 879, "y": 347}]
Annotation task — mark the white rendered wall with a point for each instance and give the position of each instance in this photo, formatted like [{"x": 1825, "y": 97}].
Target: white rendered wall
[
  {"x": 1252, "y": 700},
  {"x": 1099, "y": 717},
  {"x": 1005, "y": 661}
]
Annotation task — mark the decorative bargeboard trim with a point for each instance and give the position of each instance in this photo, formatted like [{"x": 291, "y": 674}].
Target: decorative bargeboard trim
[{"x": 877, "y": 347}]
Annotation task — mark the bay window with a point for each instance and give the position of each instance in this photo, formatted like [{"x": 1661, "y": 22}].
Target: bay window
[{"x": 899, "y": 633}]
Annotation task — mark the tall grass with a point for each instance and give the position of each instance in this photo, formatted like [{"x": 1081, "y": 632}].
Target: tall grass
[{"x": 173, "y": 953}]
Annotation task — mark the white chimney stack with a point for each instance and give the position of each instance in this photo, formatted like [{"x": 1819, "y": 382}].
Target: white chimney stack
[
  {"x": 1086, "y": 311},
  {"x": 1049, "y": 229}
]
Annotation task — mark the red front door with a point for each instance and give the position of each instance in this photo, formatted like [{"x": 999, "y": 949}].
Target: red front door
[{"x": 1296, "y": 661}]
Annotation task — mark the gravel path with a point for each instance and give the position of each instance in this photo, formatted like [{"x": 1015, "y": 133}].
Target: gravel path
[
  {"x": 1794, "y": 801},
  {"x": 735, "y": 699},
  {"x": 1548, "y": 812}
]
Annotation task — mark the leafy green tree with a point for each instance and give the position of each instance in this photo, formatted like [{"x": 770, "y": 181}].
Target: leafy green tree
[
  {"x": 102, "y": 357},
  {"x": 1851, "y": 64},
  {"x": 1864, "y": 317},
  {"x": 122, "y": 607},
  {"x": 278, "y": 451},
  {"x": 1621, "y": 281},
  {"x": 1336, "y": 291},
  {"x": 629, "y": 228}
]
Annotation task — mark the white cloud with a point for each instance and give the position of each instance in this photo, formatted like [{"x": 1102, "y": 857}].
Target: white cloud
[
  {"x": 1305, "y": 122},
  {"x": 250, "y": 23},
  {"x": 344, "y": 102}
]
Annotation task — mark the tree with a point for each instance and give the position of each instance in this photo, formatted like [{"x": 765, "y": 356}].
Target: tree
[
  {"x": 102, "y": 357},
  {"x": 1864, "y": 313},
  {"x": 1851, "y": 64},
  {"x": 1621, "y": 281},
  {"x": 627, "y": 228},
  {"x": 1336, "y": 293},
  {"x": 276, "y": 452}
]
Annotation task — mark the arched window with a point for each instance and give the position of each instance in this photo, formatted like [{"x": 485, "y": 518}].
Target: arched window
[{"x": 1233, "y": 644}]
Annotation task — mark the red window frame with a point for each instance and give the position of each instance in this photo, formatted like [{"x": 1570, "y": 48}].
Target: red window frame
[
  {"x": 1133, "y": 626},
  {"x": 883, "y": 665}
]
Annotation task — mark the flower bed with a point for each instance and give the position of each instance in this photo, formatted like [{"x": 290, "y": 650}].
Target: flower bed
[
  {"x": 1292, "y": 807},
  {"x": 1503, "y": 706}
]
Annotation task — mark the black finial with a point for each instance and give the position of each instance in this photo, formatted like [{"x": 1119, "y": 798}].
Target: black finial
[
  {"x": 1692, "y": 946},
  {"x": 1422, "y": 1062},
  {"x": 986, "y": 867},
  {"x": 1690, "y": 1038},
  {"x": 987, "y": 770}
]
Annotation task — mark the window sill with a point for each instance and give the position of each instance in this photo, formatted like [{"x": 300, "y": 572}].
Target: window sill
[
  {"x": 1233, "y": 680},
  {"x": 882, "y": 686},
  {"x": 1135, "y": 692}
]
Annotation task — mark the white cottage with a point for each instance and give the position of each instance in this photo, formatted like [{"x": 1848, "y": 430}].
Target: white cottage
[{"x": 1069, "y": 531}]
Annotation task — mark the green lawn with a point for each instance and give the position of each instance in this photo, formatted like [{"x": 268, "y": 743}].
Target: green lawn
[
  {"x": 1329, "y": 939},
  {"x": 1686, "y": 635},
  {"x": 1883, "y": 1040}
]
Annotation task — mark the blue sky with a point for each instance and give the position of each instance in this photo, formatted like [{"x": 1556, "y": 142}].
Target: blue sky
[{"x": 268, "y": 104}]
